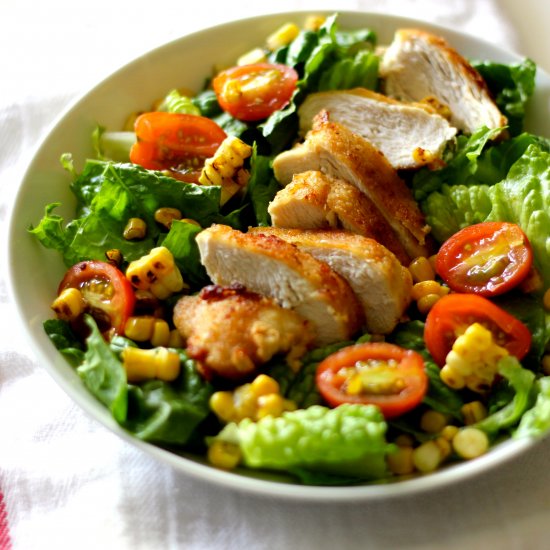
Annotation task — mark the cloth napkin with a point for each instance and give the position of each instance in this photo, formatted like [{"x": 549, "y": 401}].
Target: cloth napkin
[{"x": 65, "y": 480}]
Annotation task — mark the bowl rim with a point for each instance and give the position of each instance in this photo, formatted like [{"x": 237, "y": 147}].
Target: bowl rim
[{"x": 505, "y": 452}]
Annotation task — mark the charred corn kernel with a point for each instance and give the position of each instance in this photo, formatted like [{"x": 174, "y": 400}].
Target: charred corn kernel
[
  {"x": 222, "y": 168},
  {"x": 401, "y": 462},
  {"x": 282, "y": 36},
  {"x": 161, "y": 333},
  {"x": 473, "y": 360},
  {"x": 421, "y": 269},
  {"x": 222, "y": 405},
  {"x": 114, "y": 256},
  {"x": 546, "y": 365},
  {"x": 69, "y": 304},
  {"x": 314, "y": 22},
  {"x": 473, "y": 412},
  {"x": 404, "y": 440},
  {"x": 448, "y": 432},
  {"x": 426, "y": 303},
  {"x": 264, "y": 385},
  {"x": 157, "y": 272},
  {"x": 166, "y": 215},
  {"x": 176, "y": 339},
  {"x": 223, "y": 454},
  {"x": 427, "y": 457},
  {"x": 546, "y": 300},
  {"x": 257, "y": 55},
  {"x": 470, "y": 442},
  {"x": 433, "y": 421},
  {"x": 135, "y": 229},
  {"x": 146, "y": 364},
  {"x": 139, "y": 328}
]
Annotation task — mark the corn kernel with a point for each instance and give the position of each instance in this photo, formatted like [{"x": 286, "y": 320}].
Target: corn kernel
[
  {"x": 168, "y": 364},
  {"x": 448, "y": 432},
  {"x": 433, "y": 421},
  {"x": 223, "y": 454},
  {"x": 426, "y": 303},
  {"x": 69, "y": 304},
  {"x": 401, "y": 462},
  {"x": 421, "y": 269},
  {"x": 146, "y": 364},
  {"x": 282, "y": 36},
  {"x": 222, "y": 405},
  {"x": 139, "y": 328},
  {"x": 114, "y": 256},
  {"x": 451, "y": 378},
  {"x": 256, "y": 55},
  {"x": 444, "y": 447},
  {"x": 424, "y": 288},
  {"x": 264, "y": 385},
  {"x": 404, "y": 440},
  {"x": 473, "y": 412},
  {"x": 314, "y": 22},
  {"x": 427, "y": 457},
  {"x": 270, "y": 405},
  {"x": 470, "y": 443},
  {"x": 161, "y": 333},
  {"x": 176, "y": 339},
  {"x": 135, "y": 229},
  {"x": 166, "y": 215}
]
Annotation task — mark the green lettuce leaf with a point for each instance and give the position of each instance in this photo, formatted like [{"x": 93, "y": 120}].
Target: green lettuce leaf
[{"x": 536, "y": 421}]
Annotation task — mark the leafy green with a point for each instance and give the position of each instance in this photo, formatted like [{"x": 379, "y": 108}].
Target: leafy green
[
  {"x": 521, "y": 381},
  {"x": 65, "y": 340},
  {"x": 174, "y": 102},
  {"x": 512, "y": 85},
  {"x": 169, "y": 413},
  {"x": 346, "y": 441},
  {"x": 536, "y": 421},
  {"x": 103, "y": 373}
]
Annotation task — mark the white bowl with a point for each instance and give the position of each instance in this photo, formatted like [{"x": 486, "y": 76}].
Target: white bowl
[{"x": 185, "y": 63}]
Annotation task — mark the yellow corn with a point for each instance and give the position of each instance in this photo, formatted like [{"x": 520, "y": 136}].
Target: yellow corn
[
  {"x": 156, "y": 272},
  {"x": 444, "y": 446},
  {"x": 223, "y": 454},
  {"x": 166, "y": 215},
  {"x": 401, "y": 462},
  {"x": 223, "y": 167},
  {"x": 114, "y": 256},
  {"x": 264, "y": 385},
  {"x": 473, "y": 412},
  {"x": 176, "y": 339},
  {"x": 404, "y": 440},
  {"x": 427, "y": 457},
  {"x": 314, "y": 22},
  {"x": 139, "y": 328},
  {"x": 470, "y": 442},
  {"x": 473, "y": 360},
  {"x": 421, "y": 269},
  {"x": 425, "y": 303},
  {"x": 448, "y": 432},
  {"x": 433, "y": 421},
  {"x": 222, "y": 405},
  {"x": 257, "y": 55},
  {"x": 282, "y": 36},
  {"x": 161, "y": 333},
  {"x": 425, "y": 288},
  {"x": 69, "y": 304},
  {"x": 146, "y": 364},
  {"x": 135, "y": 229}
]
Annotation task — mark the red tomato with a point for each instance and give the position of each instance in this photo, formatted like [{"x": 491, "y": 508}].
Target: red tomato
[
  {"x": 380, "y": 374},
  {"x": 487, "y": 258},
  {"x": 174, "y": 141},
  {"x": 253, "y": 92},
  {"x": 452, "y": 314},
  {"x": 108, "y": 294}
]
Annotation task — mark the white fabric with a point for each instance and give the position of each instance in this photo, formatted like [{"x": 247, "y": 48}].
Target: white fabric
[{"x": 67, "y": 481}]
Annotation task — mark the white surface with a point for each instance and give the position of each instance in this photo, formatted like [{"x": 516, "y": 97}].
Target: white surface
[{"x": 74, "y": 484}]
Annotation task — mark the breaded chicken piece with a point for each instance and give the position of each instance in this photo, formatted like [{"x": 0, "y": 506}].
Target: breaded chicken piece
[
  {"x": 313, "y": 200},
  {"x": 381, "y": 283},
  {"x": 231, "y": 331},
  {"x": 409, "y": 135},
  {"x": 294, "y": 279},
  {"x": 337, "y": 151},
  {"x": 419, "y": 65}
]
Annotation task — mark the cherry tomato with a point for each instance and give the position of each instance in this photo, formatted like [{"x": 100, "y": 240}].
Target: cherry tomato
[
  {"x": 175, "y": 141},
  {"x": 487, "y": 258},
  {"x": 382, "y": 374},
  {"x": 108, "y": 294},
  {"x": 452, "y": 314},
  {"x": 253, "y": 92}
]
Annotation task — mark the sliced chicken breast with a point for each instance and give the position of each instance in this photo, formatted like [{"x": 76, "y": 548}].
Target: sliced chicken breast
[
  {"x": 419, "y": 65},
  {"x": 313, "y": 200},
  {"x": 294, "y": 279},
  {"x": 335, "y": 150},
  {"x": 410, "y": 136},
  {"x": 381, "y": 283}
]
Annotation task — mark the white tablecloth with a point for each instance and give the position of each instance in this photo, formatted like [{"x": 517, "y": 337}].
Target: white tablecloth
[{"x": 67, "y": 482}]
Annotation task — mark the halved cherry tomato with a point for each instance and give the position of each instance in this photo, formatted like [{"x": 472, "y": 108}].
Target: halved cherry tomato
[
  {"x": 253, "y": 92},
  {"x": 175, "y": 141},
  {"x": 452, "y": 314},
  {"x": 487, "y": 258},
  {"x": 108, "y": 294},
  {"x": 382, "y": 374}
]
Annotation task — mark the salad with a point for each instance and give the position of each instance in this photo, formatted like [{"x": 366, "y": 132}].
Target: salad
[{"x": 173, "y": 311}]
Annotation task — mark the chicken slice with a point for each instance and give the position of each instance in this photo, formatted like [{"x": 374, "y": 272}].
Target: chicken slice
[
  {"x": 231, "y": 331},
  {"x": 337, "y": 151},
  {"x": 419, "y": 65},
  {"x": 381, "y": 283},
  {"x": 410, "y": 136},
  {"x": 294, "y": 279},
  {"x": 313, "y": 200}
]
